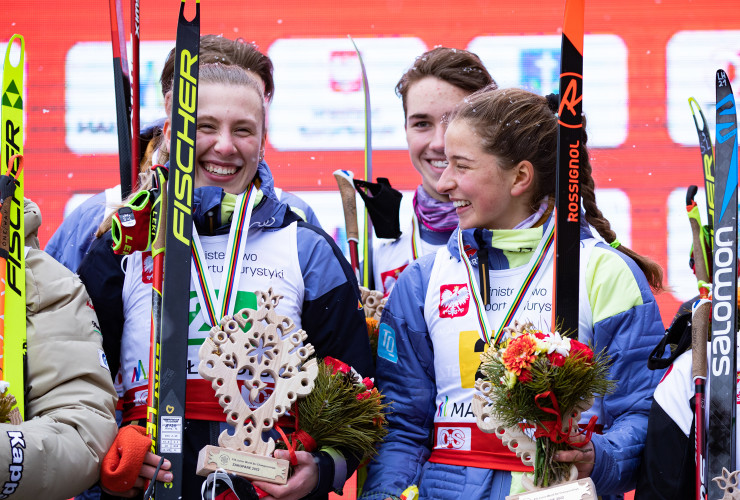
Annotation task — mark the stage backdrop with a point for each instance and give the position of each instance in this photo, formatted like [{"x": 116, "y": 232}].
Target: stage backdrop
[{"x": 643, "y": 60}]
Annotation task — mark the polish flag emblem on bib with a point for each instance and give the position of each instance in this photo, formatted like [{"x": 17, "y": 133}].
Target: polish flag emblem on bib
[
  {"x": 147, "y": 267},
  {"x": 389, "y": 279},
  {"x": 453, "y": 300}
]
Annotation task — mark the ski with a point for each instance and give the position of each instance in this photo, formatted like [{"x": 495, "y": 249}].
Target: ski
[
  {"x": 707, "y": 158},
  {"x": 567, "y": 185},
  {"x": 13, "y": 236},
  {"x": 122, "y": 84},
  {"x": 721, "y": 438},
  {"x": 171, "y": 348},
  {"x": 367, "y": 233},
  {"x": 135, "y": 98}
]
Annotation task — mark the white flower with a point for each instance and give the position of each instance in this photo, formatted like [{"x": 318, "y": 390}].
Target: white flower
[
  {"x": 557, "y": 344},
  {"x": 4, "y": 386}
]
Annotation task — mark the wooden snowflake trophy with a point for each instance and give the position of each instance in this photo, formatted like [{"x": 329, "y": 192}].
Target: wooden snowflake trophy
[
  {"x": 524, "y": 448},
  {"x": 270, "y": 351}
]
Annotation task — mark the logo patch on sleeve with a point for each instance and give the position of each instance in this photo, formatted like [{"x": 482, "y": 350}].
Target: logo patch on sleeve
[
  {"x": 387, "y": 343},
  {"x": 102, "y": 359},
  {"x": 453, "y": 300}
]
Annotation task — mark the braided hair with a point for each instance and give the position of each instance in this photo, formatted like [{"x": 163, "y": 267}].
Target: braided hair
[{"x": 516, "y": 125}]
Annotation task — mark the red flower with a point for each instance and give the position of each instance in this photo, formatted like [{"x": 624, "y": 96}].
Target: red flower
[
  {"x": 364, "y": 395},
  {"x": 556, "y": 359},
  {"x": 519, "y": 354},
  {"x": 579, "y": 349},
  {"x": 525, "y": 377},
  {"x": 337, "y": 366},
  {"x": 368, "y": 383}
]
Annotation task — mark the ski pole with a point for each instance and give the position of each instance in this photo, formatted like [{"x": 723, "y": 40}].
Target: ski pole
[
  {"x": 701, "y": 268},
  {"x": 699, "y": 333},
  {"x": 349, "y": 205}
]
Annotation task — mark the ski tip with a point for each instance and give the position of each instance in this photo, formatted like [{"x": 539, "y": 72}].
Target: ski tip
[
  {"x": 694, "y": 105},
  {"x": 15, "y": 51},
  {"x": 573, "y": 23},
  {"x": 722, "y": 79}
]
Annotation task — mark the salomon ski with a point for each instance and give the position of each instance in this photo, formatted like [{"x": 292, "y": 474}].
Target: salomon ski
[
  {"x": 568, "y": 185},
  {"x": 171, "y": 346},
  {"x": 721, "y": 435},
  {"x": 12, "y": 240}
]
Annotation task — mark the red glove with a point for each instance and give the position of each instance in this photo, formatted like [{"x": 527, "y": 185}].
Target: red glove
[{"x": 122, "y": 463}]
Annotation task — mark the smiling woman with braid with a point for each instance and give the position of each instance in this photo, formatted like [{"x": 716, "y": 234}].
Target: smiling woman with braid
[{"x": 501, "y": 146}]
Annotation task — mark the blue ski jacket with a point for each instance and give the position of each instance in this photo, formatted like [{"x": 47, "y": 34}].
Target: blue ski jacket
[
  {"x": 330, "y": 314},
  {"x": 626, "y": 322}
]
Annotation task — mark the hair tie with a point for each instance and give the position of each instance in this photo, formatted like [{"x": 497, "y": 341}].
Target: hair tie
[
  {"x": 614, "y": 244},
  {"x": 553, "y": 102}
]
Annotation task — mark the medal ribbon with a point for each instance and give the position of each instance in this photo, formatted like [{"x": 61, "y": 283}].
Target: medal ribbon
[
  {"x": 542, "y": 255},
  {"x": 217, "y": 305},
  {"x": 415, "y": 245}
]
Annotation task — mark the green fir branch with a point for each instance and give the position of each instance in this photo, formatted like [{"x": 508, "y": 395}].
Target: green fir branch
[{"x": 333, "y": 416}]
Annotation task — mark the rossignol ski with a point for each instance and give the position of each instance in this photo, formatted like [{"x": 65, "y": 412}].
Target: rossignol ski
[
  {"x": 172, "y": 345},
  {"x": 14, "y": 236},
  {"x": 568, "y": 184},
  {"x": 122, "y": 83},
  {"x": 721, "y": 437},
  {"x": 367, "y": 278}
]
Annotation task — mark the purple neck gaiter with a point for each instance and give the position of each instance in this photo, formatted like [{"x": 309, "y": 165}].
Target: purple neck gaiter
[{"x": 436, "y": 215}]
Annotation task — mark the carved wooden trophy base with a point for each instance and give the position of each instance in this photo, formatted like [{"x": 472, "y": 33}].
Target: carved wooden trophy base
[
  {"x": 244, "y": 464},
  {"x": 582, "y": 489},
  {"x": 270, "y": 352}
]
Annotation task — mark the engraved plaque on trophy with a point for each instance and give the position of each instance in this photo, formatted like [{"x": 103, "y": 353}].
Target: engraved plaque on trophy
[{"x": 270, "y": 352}]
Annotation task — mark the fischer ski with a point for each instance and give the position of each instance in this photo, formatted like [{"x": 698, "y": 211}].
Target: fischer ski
[
  {"x": 707, "y": 157},
  {"x": 721, "y": 437},
  {"x": 171, "y": 349},
  {"x": 13, "y": 236},
  {"x": 367, "y": 278},
  {"x": 568, "y": 186},
  {"x": 122, "y": 83}
]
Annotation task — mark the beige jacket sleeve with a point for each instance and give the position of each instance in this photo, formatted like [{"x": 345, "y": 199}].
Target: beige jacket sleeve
[{"x": 70, "y": 399}]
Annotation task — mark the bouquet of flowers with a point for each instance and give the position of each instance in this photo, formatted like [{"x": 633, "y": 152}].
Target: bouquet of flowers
[
  {"x": 8, "y": 412},
  {"x": 342, "y": 410},
  {"x": 540, "y": 382}
]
